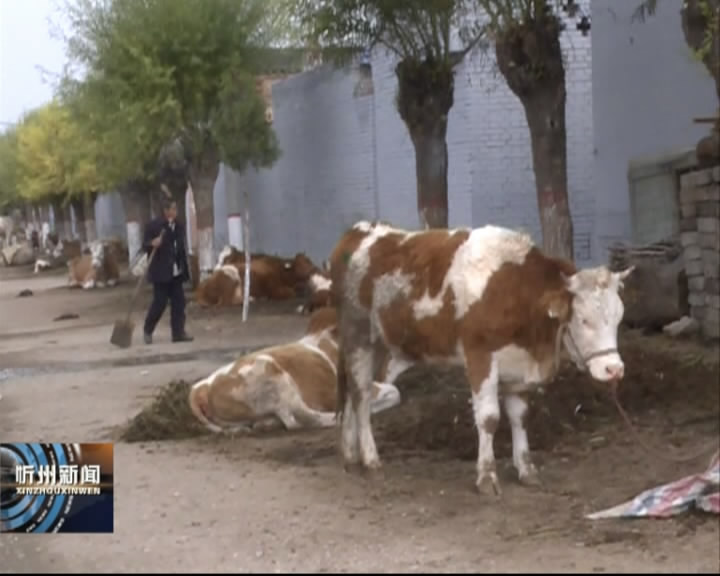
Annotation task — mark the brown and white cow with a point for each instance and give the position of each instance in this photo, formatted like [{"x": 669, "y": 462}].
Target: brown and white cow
[
  {"x": 317, "y": 291},
  {"x": 98, "y": 268},
  {"x": 271, "y": 277},
  {"x": 62, "y": 252},
  {"x": 293, "y": 385},
  {"x": 486, "y": 299},
  {"x": 223, "y": 287}
]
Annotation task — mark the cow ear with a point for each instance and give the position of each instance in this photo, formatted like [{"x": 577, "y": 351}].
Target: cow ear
[
  {"x": 618, "y": 277},
  {"x": 556, "y": 305},
  {"x": 572, "y": 283}
]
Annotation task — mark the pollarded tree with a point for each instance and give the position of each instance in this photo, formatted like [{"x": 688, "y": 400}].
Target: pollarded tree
[
  {"x": 57, "y": 165},
  {"x": 160, "y": 66},
  {"x": 243, "y": 110},
  {"x": 420, "y": 35},
  {"x": 530, "y": 58},
  {"x": 39, "y": 162},
  {"x": 9, "y": 194}
]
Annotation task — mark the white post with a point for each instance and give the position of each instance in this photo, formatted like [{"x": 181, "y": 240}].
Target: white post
[{"x": 246, "y": 246}]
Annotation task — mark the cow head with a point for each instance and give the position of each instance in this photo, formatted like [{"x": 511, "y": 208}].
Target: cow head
[
  {"x": 97, "y": 254},
  {"x": 302, "y": 266},
  {"x": 224, "y": 255},
  {"x": 590, "y": 335}
]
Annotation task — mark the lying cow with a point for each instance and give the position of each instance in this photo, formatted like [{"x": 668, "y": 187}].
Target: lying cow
[
  {"x": 292, "y": 385},
  {"x": 271, "y": 278},
  {"x": 98, "y": 268},
  {"x": 18, "y": 254},
  {"x": 486, "y": 299},
  {"x": 223, "y": 287},
  {"x": 61, "y": 254}
]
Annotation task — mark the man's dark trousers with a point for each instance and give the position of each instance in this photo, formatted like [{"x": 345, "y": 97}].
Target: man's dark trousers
[{"x": 162, "y": 292}]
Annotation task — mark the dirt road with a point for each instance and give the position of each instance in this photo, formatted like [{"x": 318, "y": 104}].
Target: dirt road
[{"x": 282, "y": 503}]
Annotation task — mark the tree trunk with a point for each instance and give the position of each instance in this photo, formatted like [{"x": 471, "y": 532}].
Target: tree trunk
[
  {"x": 89, "y": 212},
  {"x": 59, "y": 215},
  {"x": 44, "y": 211},
  {"x": 431, "y": 168},
  {"x": 546, "y": 119},
  {"x": 530, "y": 58},
  {"x": 246, "y": 247},
  {"x": 78, "y": 207},
  {"x": 193, "y": 244},
  {"x": 202, "y": 177},
  {"x": 136, "y": 203},
  {"x": 425, "y": 96}
]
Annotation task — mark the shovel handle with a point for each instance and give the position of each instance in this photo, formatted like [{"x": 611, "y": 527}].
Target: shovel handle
[{"x": 139, "y": 282}]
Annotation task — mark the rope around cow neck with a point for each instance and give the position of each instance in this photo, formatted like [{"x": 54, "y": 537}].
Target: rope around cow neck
[
  {"x": 658, "y": 453},
  {"x": 624, "y": 415}
]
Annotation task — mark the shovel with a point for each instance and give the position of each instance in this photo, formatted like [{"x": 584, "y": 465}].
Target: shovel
[{"x": 123, "y": 330}]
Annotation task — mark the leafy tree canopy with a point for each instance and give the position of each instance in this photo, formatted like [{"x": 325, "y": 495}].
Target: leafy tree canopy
[
  {"x": 9, "y": 194},
  {"x": 54, "y": 156},
  {"x": 152, "y": 72},
  {"x": 409, "y": 29}
]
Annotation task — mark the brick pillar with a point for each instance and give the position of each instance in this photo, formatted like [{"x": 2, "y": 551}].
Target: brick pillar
[{"x": 700, "y": 237}]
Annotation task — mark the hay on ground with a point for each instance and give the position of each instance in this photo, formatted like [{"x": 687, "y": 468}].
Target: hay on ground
[{"x": 168, "y": 417}]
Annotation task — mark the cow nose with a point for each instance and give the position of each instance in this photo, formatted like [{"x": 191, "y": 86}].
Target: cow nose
[{"x": 615, "y": 371}]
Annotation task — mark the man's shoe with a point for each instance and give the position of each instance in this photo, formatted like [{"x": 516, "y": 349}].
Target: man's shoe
[
  {"x": 147, "y": 337},
  {"x": 183, "y": 338}
]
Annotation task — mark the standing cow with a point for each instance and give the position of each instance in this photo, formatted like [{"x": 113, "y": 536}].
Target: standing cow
[{"x": 486, "y": 299}]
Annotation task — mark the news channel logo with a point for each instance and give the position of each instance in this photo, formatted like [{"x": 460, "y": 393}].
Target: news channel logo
[{"x": 56, "y": 487}]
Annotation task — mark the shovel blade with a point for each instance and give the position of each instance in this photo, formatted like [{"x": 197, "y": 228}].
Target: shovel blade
[{"x": 122, "y": 334}]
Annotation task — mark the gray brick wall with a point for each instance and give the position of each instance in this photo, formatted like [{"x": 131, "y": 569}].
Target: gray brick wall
[
  {"x": 632, "y": 90},
  {"x": 324, "y": 180},
  {"x": 646, "y": 91},
  {"x": 338, "y": 150}
]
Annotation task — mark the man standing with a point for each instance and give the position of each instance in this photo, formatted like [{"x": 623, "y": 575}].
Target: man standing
[{"x": 167, "y": 272}]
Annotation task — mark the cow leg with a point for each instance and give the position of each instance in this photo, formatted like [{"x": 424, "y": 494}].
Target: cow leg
[
  {"x": 482, "y": 372},
  {"x": 357, "y": 372},
  {"x": 313, "y": 418},
  {"x": 269, "y": 424},
  {"x": 385, "y": 396},
  {"x": 111, "y": 282},
  {"x": 360, "y": 372},
  {"x": 287, "y": 418},
  {"x": 349, "y": 435},
  {"x": 516, "y": 408}
]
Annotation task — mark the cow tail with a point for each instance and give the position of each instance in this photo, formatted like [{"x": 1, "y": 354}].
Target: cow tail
[
  {"x": 198, "y": 400},
  {"x": 341, "y": 384}
]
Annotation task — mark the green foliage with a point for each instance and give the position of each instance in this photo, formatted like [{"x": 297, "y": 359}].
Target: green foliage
[
  {"x": 9, "y": 194},
  {"x": 54, "y": 155},
  {"x": 242, "y": 110},
  {"x": 708, "y": 11},
  {"x": 407, "y": 28},
  {"x": 153, "y": 72}
]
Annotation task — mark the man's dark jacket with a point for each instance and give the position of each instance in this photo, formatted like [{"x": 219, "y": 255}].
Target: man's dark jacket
[{"x": 161, "y": 268}]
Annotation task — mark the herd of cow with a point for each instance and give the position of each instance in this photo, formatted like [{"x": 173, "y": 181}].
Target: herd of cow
[{"x": 486, "y": 299}]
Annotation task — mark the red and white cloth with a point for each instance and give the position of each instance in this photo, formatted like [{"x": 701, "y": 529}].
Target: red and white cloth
[{"x": 701, "y": 491}]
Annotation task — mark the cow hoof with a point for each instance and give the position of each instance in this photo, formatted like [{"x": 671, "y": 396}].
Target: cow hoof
[
  {"x": 351, "y": 467},
  {"x": 488, "y": 485},
  {"x": 530, "y": 478}
]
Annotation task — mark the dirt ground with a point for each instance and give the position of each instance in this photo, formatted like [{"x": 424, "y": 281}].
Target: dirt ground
[{"x": 282, "y": 502}]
